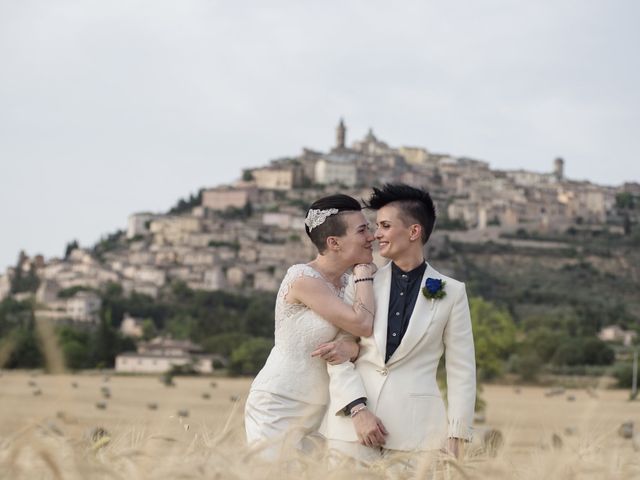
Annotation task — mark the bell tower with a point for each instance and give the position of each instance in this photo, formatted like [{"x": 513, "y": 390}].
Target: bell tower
[
  {"x": 341, "y": 135},
  {"x": 558, "y": 169}
]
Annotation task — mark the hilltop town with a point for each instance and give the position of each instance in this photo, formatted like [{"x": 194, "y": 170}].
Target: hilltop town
[{"x": 242, "y": 237}]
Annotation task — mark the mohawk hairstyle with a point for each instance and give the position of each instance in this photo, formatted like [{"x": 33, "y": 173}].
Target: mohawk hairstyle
[{"x": 415, "y": 205}]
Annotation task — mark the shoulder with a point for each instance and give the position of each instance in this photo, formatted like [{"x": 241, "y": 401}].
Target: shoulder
[
  {"x": 454, "y": 286},
  {"x": 301, "y": 269}
]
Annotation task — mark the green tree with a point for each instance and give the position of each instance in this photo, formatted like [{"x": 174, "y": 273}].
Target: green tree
[
  {"x": 258, "y": 318},
  {"x": 624, "y": 375},
  {"x": 569, "y": 353},
  {"x": 597, "y": 352},
  {"x": 71, "y": 246},
  {"x": 182, "y": 327},
  {"x": 527, "y": 364},
  {"x": 224, "y": 343},
  {"x": 494, "y": 336},
  {"x": 543, "y": 342},
  {"x": 249, "y": 357},
  {"x": 75, "y": 344},
  {"x": 149, "y": 329},
  {"x": 21, "y": 281},
  {"x": 105, "y": 342},
  {"x": 26, "y": 351}
]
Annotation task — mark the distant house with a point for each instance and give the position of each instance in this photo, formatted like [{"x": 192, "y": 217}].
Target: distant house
[
  {"x": 614, "y": 333},
  {"x": 131, "y": 327},
  {"x": 84, "y": 306},
  {"x": 161, "y": 354}
]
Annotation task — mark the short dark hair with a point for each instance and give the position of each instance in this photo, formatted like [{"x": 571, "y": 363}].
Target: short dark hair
[
  {"x": 415, "y": 205},
  {"x": 334, "y": 225}
]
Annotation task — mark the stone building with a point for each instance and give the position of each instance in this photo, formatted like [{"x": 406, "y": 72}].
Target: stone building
[
  {"x": 221, "y": 198},
  {"x": 278, "y": 177},
  {"x": 162, "y": 354},
  {"x": 138, "y": 224},
  {"x": 327, "y": 171},
  {"x": 84, "y": 306}
]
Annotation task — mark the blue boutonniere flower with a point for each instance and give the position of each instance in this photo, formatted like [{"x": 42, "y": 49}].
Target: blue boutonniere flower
[{"x": 434, "y": 288}]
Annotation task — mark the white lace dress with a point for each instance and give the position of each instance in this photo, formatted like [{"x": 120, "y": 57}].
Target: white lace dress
[{"x": 288, "y": 397}]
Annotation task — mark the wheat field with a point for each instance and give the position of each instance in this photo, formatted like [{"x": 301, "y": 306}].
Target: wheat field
[{"x": 126, "y": 427}]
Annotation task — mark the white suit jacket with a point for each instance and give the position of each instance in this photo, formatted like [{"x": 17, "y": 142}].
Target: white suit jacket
[{"x": 404, "y": 393}]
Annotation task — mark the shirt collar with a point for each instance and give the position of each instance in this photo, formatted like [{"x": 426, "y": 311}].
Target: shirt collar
[{"x": 412, "y": 275}]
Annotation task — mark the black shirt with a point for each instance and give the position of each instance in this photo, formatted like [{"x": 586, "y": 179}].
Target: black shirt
[{"x": 405, "y": 288}]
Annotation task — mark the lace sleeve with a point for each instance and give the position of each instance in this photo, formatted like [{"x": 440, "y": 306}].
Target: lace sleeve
[{"x": 293, "y": 274}]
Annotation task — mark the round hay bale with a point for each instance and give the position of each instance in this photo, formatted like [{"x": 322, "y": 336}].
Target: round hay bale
[{"x": 626, "y": 430}]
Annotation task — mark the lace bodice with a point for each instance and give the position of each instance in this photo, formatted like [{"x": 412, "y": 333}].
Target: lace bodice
[{"x": 290, "y": 370}]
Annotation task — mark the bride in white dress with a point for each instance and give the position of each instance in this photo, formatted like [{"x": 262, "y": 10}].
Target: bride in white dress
[{"x": 288, "y": 397}]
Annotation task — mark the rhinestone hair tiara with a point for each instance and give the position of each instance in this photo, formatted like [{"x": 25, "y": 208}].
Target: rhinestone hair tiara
[{"x": 315, "y": 218}]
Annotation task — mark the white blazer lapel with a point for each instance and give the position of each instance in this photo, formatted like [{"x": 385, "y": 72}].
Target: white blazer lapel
[
  {"x": 382, "y": 290},
  {"x": 421, "y": 317}
]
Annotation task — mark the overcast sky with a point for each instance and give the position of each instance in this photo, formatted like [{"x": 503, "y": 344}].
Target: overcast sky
[{"x": 111, "y": 107}]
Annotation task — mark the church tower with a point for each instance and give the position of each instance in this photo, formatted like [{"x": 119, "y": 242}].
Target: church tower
[
  {"x": 341, "y": 135},
  {"x": 558, "y": 169}
]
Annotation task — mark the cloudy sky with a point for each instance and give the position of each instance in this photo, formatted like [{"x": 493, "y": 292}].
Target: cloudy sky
[{"x": 115, "y": 106}]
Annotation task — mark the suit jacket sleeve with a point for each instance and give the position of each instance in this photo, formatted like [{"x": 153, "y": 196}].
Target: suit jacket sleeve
[
  {"x": 461, "y": 368},
  {"x": 345, "y": 384}
]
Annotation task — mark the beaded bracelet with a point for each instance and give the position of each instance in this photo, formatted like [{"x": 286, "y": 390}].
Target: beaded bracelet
[
  {"x": 357, "y": 410},
  {"x": 365, "y": 279}
]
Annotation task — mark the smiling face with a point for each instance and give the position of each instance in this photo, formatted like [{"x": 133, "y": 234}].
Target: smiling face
[
  {"x": 356, "y": 245},
  {"x": 394, "y": 236}
]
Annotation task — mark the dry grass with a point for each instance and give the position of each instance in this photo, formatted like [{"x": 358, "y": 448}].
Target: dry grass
[{"x": 57, "y": 434}]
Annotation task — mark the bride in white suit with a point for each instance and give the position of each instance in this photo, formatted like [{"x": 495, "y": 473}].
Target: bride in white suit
[
  {"x": 289, "y": 396},
  {"x": 420, "y": 314}
]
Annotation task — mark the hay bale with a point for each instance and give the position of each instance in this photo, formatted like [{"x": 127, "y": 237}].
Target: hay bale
[
  {"x": 626, "y": 430},
  {"x": 552, "y": 392}
]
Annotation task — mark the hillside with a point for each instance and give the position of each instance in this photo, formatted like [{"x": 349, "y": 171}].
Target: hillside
[{"x": 586, "y": 280}]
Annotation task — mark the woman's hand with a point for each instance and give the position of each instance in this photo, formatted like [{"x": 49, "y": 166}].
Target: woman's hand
[
  {"x": 338, "y": 351},
  {"x": 362, "y": 270}
]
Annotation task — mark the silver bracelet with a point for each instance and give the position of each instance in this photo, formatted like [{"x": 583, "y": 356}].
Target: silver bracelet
[{"x": 357, "y": 410}]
